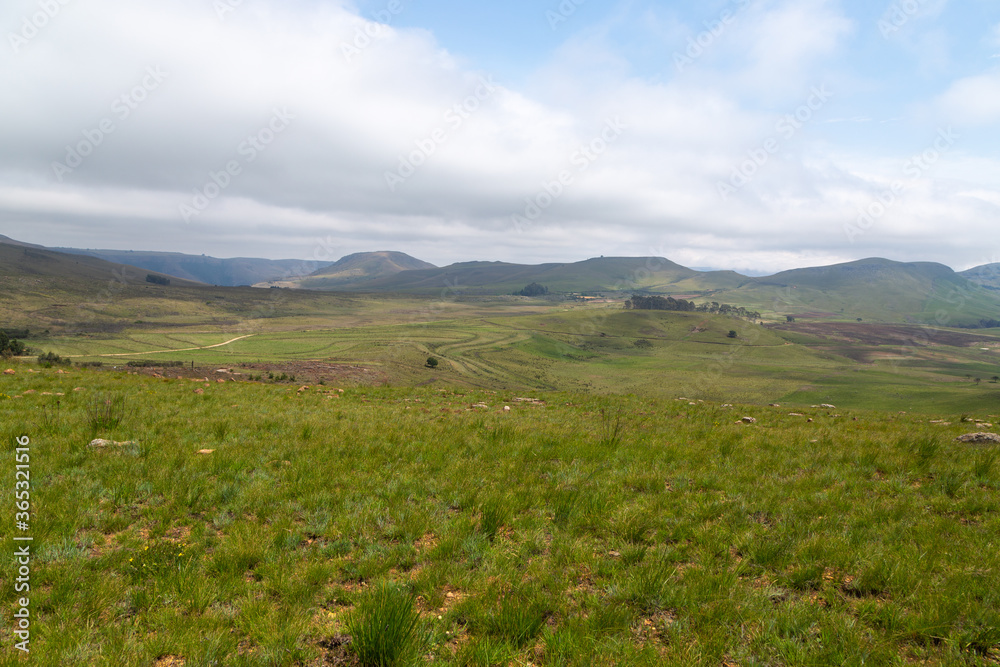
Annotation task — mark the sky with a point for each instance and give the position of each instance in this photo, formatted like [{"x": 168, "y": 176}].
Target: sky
[{"x": 755, "y": 135}]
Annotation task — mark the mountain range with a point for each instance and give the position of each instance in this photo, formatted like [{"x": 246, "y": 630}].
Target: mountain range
[{"x": 873, "y": 288}]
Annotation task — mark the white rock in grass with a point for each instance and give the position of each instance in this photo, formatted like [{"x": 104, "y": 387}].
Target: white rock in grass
[
  {"x": 100, "y": 442},
  {"x": 747, "y": 420}
]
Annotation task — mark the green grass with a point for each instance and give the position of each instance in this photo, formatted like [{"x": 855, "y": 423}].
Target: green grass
[{"x": 584, "y": 530}]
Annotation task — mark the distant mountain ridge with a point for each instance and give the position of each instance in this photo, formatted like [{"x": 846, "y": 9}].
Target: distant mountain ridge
[
  {"x": 987, "y": 275},
  {"x": 204, "y": 269},
  {"x": 872, "y": 289}
]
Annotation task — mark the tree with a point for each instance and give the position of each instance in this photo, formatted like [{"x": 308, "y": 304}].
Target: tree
[
  {"x": 11, "y": 347},
  {"x": 789, "y": 318},
  {"x": 432, "y": 362},
  {"x": 732, "y": 333},
  {"x": 995, "y": 379}
]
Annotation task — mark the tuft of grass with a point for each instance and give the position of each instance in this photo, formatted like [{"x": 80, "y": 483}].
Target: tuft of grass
[
  {"x": 493, "y": 514},
  {"x": 384, "y": 627},
  {"x": 107, "y": 411}
]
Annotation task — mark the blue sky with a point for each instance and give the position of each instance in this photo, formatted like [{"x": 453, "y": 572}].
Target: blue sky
[{"x": 799, "y": 132}]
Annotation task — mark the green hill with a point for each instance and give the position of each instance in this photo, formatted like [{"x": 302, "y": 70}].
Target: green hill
[
  {"x": 361, "y": 267},
  {"x": 600, "y": 274},
  {"x": 871, "y": 289}
]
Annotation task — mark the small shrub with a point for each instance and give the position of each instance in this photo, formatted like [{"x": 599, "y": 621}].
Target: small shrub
[
  {"x": 384, "y": 627},
  {"x": 432, "y": 362}
]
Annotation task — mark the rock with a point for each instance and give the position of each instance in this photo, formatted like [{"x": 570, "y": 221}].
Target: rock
[
  {"x": 77, "y": 388},
  {"x": 220, "y": 380},
  {"x": 10, "y": 371},
  {"x": 101, "y": 442},
  {"x": 775, "y": 405},
  {"x": 808, "y": 421},
  {"x": 506, "y": 408},
  {"x": 480, "y": 405},
  {"x": 828, "y": 406},
  {"x": 795, "y": 414},
  {"x": 205, "y": 451},
  {"x": 747, "y": 420},
  {"x": 303, "y": 388},
  {"x": 979, "y": 438},
  {"x": 60, "y": 372},
  {"x": 199, "y": 390}
]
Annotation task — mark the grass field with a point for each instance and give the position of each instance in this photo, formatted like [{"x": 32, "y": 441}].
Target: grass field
[
  {"x": 539, "y": 345},
  {"x": 571, "y": 529}
]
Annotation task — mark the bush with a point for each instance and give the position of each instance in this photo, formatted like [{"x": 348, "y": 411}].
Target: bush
[
  {"x": 432, "y": 362},
  {"x": 50, "y": 359}
]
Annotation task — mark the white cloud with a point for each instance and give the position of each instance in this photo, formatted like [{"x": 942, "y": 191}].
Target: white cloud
[
  {"x": 973, "y": 100},
  {"x": 653, "y": 186}
]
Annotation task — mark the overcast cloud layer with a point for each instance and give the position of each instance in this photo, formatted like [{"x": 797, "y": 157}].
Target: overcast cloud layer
[{"x": 763, "y": 134}]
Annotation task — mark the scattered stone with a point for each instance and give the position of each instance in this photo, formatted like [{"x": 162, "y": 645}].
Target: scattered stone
[
  {"x": 220, "y": 380},
  {"x": 303, "y": 388},
  {"x": 77, "y": 388},
  {"x": 775, "y": 405},
  {"x": 828, "y": 406},
  {"x": 30, "y": 391},
  {"x": 205, "y": 451},
  {"x": 101, "y": 442},
  {"x": 747, "y": 420},
  {"x": 727, "y": 405},
  {"x": 60, "y": 372},
  {"x": 480, "y": 405},
  {"x": 199, "y": 390},
  {"x": 506, "y": 408},
  {"x": 10, "y": 371},
  {"x": 795, "y": 414},
  {"x": 809, "y": 421},
  {"x": 979, "y": 437},
  {"x": 692, "y": 403}
]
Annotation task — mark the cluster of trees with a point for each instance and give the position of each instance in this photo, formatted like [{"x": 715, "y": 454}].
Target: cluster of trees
[
  {"x": 639, "y": 302},
  {"x": 11, "y": 347},
  {"x": 534, "y": 289},
  {"x": 157, "y": 280}
]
